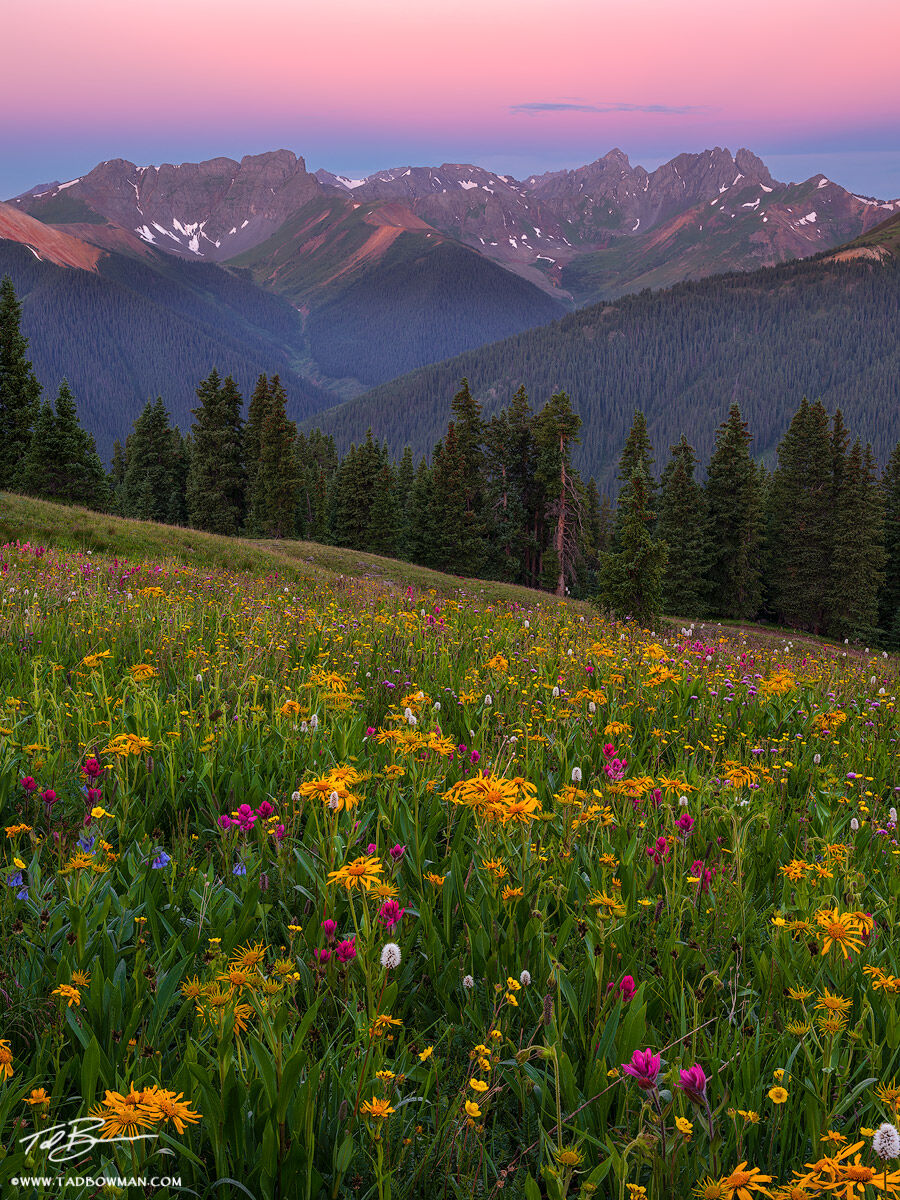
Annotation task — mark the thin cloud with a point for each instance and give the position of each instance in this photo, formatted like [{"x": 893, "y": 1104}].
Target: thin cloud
[{"x": 550, "y": 106}]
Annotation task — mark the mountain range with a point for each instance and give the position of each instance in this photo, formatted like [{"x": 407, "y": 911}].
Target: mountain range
[{"x": 137, "y": 280}]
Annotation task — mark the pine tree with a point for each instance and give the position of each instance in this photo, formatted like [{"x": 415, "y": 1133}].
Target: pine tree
[
  {"x": 511, "y": 457},
  {"x": 406, "y": 473},
  {"x": 800, "y": 521},
  {"x": 889, "y": 599},
  {"x": 116, "y": 476},
  {"x": 182, "y": 447},
  {"x": 682, "y": 525},
  {"x": 456, "y": 547},
  {"x": 556, "y": 431},
  {"x": 382, "y": 531},
  {"x": 631, "y": 578},
  {"x": 423, "y": 520},
  {"x": 148, "y": 483},
  {"x": 20, "y": 392},
  {"x": 215, "y": 485},
  {"x": 276, "y": 486},
  {"x": 859, "y": 555},
  {"x": 733, "y": 504},
  {"x": 62, "y": 463},
  {"x": 256, "y": 415},
  {"x": 34, "y": 473},
  {"x": 637, "y": 458}
]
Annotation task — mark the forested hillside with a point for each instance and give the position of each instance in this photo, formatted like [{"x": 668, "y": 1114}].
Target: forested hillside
[
  {"x": 816, "y": 328},
  {"x": 132, "y": 331}
]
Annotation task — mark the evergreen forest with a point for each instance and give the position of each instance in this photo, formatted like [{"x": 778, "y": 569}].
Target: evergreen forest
[{"x": 812, "y": 542}]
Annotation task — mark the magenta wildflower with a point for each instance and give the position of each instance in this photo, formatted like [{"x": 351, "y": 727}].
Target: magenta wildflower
[
  {"x": 246, "y": 817},
  {"x": 625, "y": 988},
  {"x": 693, "y": 1083},
  {"x": 390, "y": 913},
  {"x": 93, "y": 768},
  {"x": 659, "y": 851},
  {"x": 346, "y": 950},
  {"x": 28, "y": 784},
  {"x": 225, "y": 822},
  {"x": 265, "y": 810},
  {"x": 329, "y": 928},
  {"x": 644, "y": 1068},
  {"x": 397, "y": 852}
]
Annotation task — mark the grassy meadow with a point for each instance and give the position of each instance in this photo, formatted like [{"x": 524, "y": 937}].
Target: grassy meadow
[{"x": 326, "y": 876}]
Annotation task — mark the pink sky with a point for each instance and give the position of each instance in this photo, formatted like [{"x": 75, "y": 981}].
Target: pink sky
[{"x": 361, "y": 85}]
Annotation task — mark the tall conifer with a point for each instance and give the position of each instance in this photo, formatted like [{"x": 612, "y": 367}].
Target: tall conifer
[
  {"x": 733, "y": 503},
  {"x": 216, "y": 481},
  {"x": 800, "y": 527},
  {"x": 20, "y": 392},
  {"x": 683, "y": 526}
]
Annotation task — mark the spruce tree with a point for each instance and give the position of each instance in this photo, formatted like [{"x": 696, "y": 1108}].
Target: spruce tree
[
  {"x": 457, "y": 548},
  {"x": 406, "y": 473},
  {"x": 62, "y": 463},
  {"x": 859, "y": 555},
  {"x": 116, "y": 476},
  {"x": 177, "y": 511},
  {"x": 733, "y": 503},
  {"x": 148, "y": 483},
  {"x": 215, "y": 485},
  {"x": 256, "y": 415},
  {"x": 889, "y": 599},
  {"x": 682, "y": 525},
  {"x": 35, "y": 470},
  {"x": 800, "y": 522},
  {"x": 276, "y": 486},
  {"x": 20, "y": 392},
  {"x": 382, "y": 531},
  {"x": 556, "y": 432},
  {"x": 511, "y": 458},
  {"x": 423, "y": 519},
  {"x": 637, "y": 458},
  {"x": 631, "y": 577}
]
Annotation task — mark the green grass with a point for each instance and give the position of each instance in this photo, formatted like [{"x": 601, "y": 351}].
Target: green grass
[{"x": 26, "y": 520}]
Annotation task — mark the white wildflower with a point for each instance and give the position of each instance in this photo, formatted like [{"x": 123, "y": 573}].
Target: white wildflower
[
  {"x": 576, "y": 774},
  {"x": 488, "y": 700},
  {"x": 525, "y": 979},
  {"x": 334, "y": 801},
  {"x": 854, "y": 824},
  {"x": 390, "y": 956},
  {"x": 886, "y": 1142},
  {"x": 468, "y": 982}
]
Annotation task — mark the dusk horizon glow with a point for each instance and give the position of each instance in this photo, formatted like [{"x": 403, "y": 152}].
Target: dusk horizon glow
[{"x": 518, "y": 87}]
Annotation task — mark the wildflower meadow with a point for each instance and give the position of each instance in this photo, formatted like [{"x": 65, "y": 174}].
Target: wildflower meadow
[{"x": 331, "y": 889}]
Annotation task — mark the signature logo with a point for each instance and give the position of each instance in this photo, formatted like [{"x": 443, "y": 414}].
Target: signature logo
[{"x": 72, "y": 1138}]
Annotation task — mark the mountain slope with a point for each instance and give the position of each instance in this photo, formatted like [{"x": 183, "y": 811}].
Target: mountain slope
[
  {"x": 384, "y": 293},
  {"x": 820, "y": 328},
  {"x": 126, "y": 330}
]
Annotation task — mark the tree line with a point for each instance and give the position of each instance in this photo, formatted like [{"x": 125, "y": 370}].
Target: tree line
[{"x": 812, "y": 544}]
